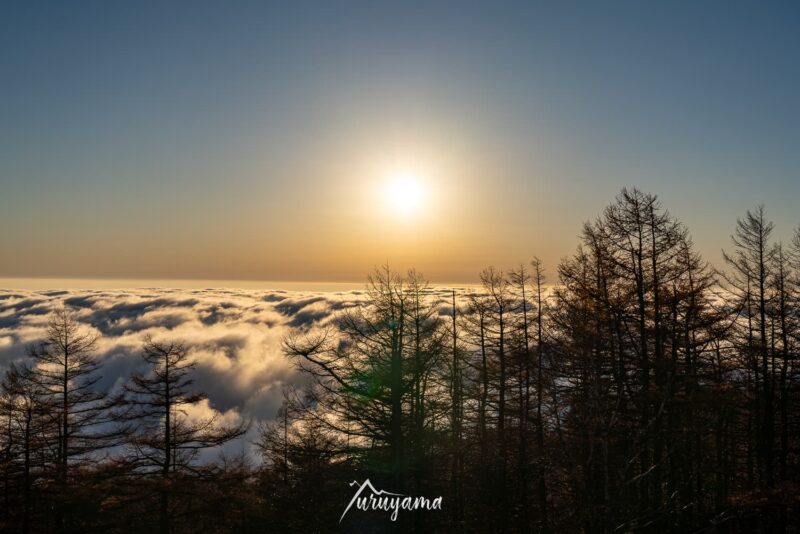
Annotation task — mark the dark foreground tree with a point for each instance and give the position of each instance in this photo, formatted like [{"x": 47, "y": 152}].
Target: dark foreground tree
[
  {"x": 82, "y": 419},
  {"x": 381, "y": 381},
  {"x": 167, "y": 440},
  {"x": 24, "y": 452}
]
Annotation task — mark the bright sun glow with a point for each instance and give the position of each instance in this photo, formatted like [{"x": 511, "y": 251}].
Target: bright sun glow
[{"x": 405, "y": 193}]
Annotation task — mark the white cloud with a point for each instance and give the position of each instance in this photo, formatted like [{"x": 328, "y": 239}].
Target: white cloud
[{"x": 233, "y": 336}]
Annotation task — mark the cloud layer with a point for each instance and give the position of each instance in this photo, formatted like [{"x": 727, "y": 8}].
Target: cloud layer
[{"x": 234, "y": 335}]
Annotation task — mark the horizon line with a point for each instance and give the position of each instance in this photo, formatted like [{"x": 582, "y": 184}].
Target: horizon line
[{"x": 38, "y": 283}]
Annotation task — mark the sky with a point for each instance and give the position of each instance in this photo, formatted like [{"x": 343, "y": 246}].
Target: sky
[{"x": 259, "y": 141}]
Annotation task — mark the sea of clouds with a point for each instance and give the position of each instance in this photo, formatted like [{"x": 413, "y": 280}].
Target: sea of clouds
[{"x": 233, "y": 335}]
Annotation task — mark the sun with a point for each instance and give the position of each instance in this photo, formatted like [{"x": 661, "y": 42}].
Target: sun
[{"x": 404, "y": 192}]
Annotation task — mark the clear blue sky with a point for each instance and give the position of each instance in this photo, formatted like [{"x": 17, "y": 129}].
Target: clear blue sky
[{"x": 242, "y": 139}]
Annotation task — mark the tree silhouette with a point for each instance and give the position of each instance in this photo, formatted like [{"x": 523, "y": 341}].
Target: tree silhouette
[
  {"x": 166, "y": 439},
  {"x": 83, "y": 422}
]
